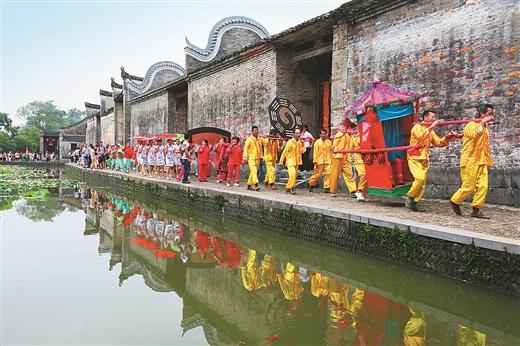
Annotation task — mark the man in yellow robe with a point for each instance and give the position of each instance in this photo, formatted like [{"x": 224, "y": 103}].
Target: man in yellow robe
[
  {"x": 475, "y": 159},
  {"x": 271, "y": 147},
  {"x": 340, "y": 164},
  {"x": 322, "y": 158},
  {"x": 292, "y": 157},
  {"x": 419, "y": 159},
  {"x": 362, "y": 186},
  {"x": 252, "y": 155}
]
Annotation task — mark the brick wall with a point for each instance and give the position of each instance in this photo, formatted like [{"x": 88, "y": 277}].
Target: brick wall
[
  {"x": 119, "y": 117},
  {"x": 234, "y": 98},
  {"x": 297, "y": 82},
  {"x": 232, "y": 40},
  {"x": 149, "y": 116},
  {"x": 458, "y": 54},
  {"x": 108, "y": 129},
  {"x": 90, "y": 137}
]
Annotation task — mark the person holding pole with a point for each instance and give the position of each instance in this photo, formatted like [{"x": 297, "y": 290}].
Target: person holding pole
[
  {"x": 251, "y": 156},
  {"x": 271, "y": 147},
  {"x": 292, "y": 157},
  {"x": 340, "y": 164},
  {"x": 322, "y": 157},
  {"x": 475, "y": 159},
  {"x": 419, "y": 159}
]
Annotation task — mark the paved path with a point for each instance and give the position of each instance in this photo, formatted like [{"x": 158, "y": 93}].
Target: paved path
[{"x": 437, "y": 220}]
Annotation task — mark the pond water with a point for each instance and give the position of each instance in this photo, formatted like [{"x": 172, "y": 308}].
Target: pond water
[{"x": 83, "y": 266}]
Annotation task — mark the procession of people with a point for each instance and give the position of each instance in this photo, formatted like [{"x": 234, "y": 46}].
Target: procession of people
[{"x": 329, "y": 158}]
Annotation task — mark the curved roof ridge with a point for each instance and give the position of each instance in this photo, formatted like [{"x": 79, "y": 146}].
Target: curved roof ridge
[
  {"x": 152, "y": 71},
  {"x": 215, "y": 36}
]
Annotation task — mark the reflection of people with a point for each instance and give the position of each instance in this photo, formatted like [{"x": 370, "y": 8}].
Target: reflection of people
[
  {"x": 415, "y": 330},
  {"x": 292, "y": 157},
  {"x": 475, "y": 159},
  {"x": 469, "y": 337},
  {"x": 290, "y": 283}
]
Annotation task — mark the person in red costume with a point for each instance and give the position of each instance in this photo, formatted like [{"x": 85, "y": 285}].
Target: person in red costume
[
  {"x": 204, "y": 160},
  {"x": 235, "y": 159},
  {"x": 129, "y": 156}
]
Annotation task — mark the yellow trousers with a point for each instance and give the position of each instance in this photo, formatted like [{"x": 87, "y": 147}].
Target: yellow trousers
[
  {"x": 270, "y": 177},
  {"x": 253, "y": 171},
  {"x": 362, "y": 174},
  {"x": 340, "y": 165},
  {"x": 318, "y": 172},
  {"x": 293, "y": 173},
  {"x": 419, "y": 170},
  {"x": 474, "y": 181}
]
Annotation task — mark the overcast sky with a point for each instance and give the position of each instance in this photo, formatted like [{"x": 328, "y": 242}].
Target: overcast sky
[{"x": 67, "y": 50}]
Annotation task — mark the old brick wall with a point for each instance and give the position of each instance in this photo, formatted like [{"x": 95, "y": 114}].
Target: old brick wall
[
  {"x": 108, "y": 129},
  {"x": 457, "y": 54},
  {"x": 234, "y": 98},
  {"x": 297, "y": 82},
  {"x": 180, "y": 113},
  {"x": 232, "y": 40},
  {"x": 149, "y": 116},
  {"x": 119, "y": 122},
  {"x": 90, "y": 137}
]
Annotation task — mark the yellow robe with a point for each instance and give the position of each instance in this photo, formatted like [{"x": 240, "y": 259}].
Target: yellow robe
[
  {"x": 253, "y": 154},
  {"x": 322, "y": 158},
  {"x": 292, "y": 157},
  {"x": 271, "y": 148},
  {"x": 475, "y": 159},
  {"x": 359, "y": 163},
  {"x": 420, "y": 164},
  {"x": 341, "y": 165}
]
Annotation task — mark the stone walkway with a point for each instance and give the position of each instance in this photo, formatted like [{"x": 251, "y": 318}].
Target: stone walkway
[{"x": 504, "y": 222}]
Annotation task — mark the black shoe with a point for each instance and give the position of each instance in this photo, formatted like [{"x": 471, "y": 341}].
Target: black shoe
[
  {"x": 353, "y": 195},
  {"x": 478, "y": 214},
  {"x": 456, "y": 208},
  {"x": 292, "y": 191},
  {"x": 326, "y": 190},
  {"x": 311, "y": 188},
  {"x": 408, "y": 202},
  {"x": 186, "y": 182}
]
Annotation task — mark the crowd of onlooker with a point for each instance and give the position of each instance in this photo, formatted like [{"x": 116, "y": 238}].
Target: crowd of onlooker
[{"x": 27, "y": 156}]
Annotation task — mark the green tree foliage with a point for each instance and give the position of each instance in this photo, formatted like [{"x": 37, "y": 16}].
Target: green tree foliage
[
  {"x": 6, "y": 124},
  {"x": 43, "y": 115},
  {"x": 38, "y": 116}
]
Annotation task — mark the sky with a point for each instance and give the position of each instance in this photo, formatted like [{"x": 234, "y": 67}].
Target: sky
[{"x": 67, "y": 50}]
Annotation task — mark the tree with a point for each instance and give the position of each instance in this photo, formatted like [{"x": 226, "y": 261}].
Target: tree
[
  {"x": 43, "y": 115},
  {"x": 27, "y": 136},
  {"x": 74, "y": 115},
  {"x": 6, "y": 124}
]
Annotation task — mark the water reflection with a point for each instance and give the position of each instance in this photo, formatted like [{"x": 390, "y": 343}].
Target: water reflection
[{"x": 239, "y": 294}]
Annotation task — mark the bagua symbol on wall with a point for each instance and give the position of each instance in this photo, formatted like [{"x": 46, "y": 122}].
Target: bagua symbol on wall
[{"x": 284, "y": 116}]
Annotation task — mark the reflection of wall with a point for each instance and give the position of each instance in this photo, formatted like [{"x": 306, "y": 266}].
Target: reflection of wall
[{"x": 220, "y": 290}]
